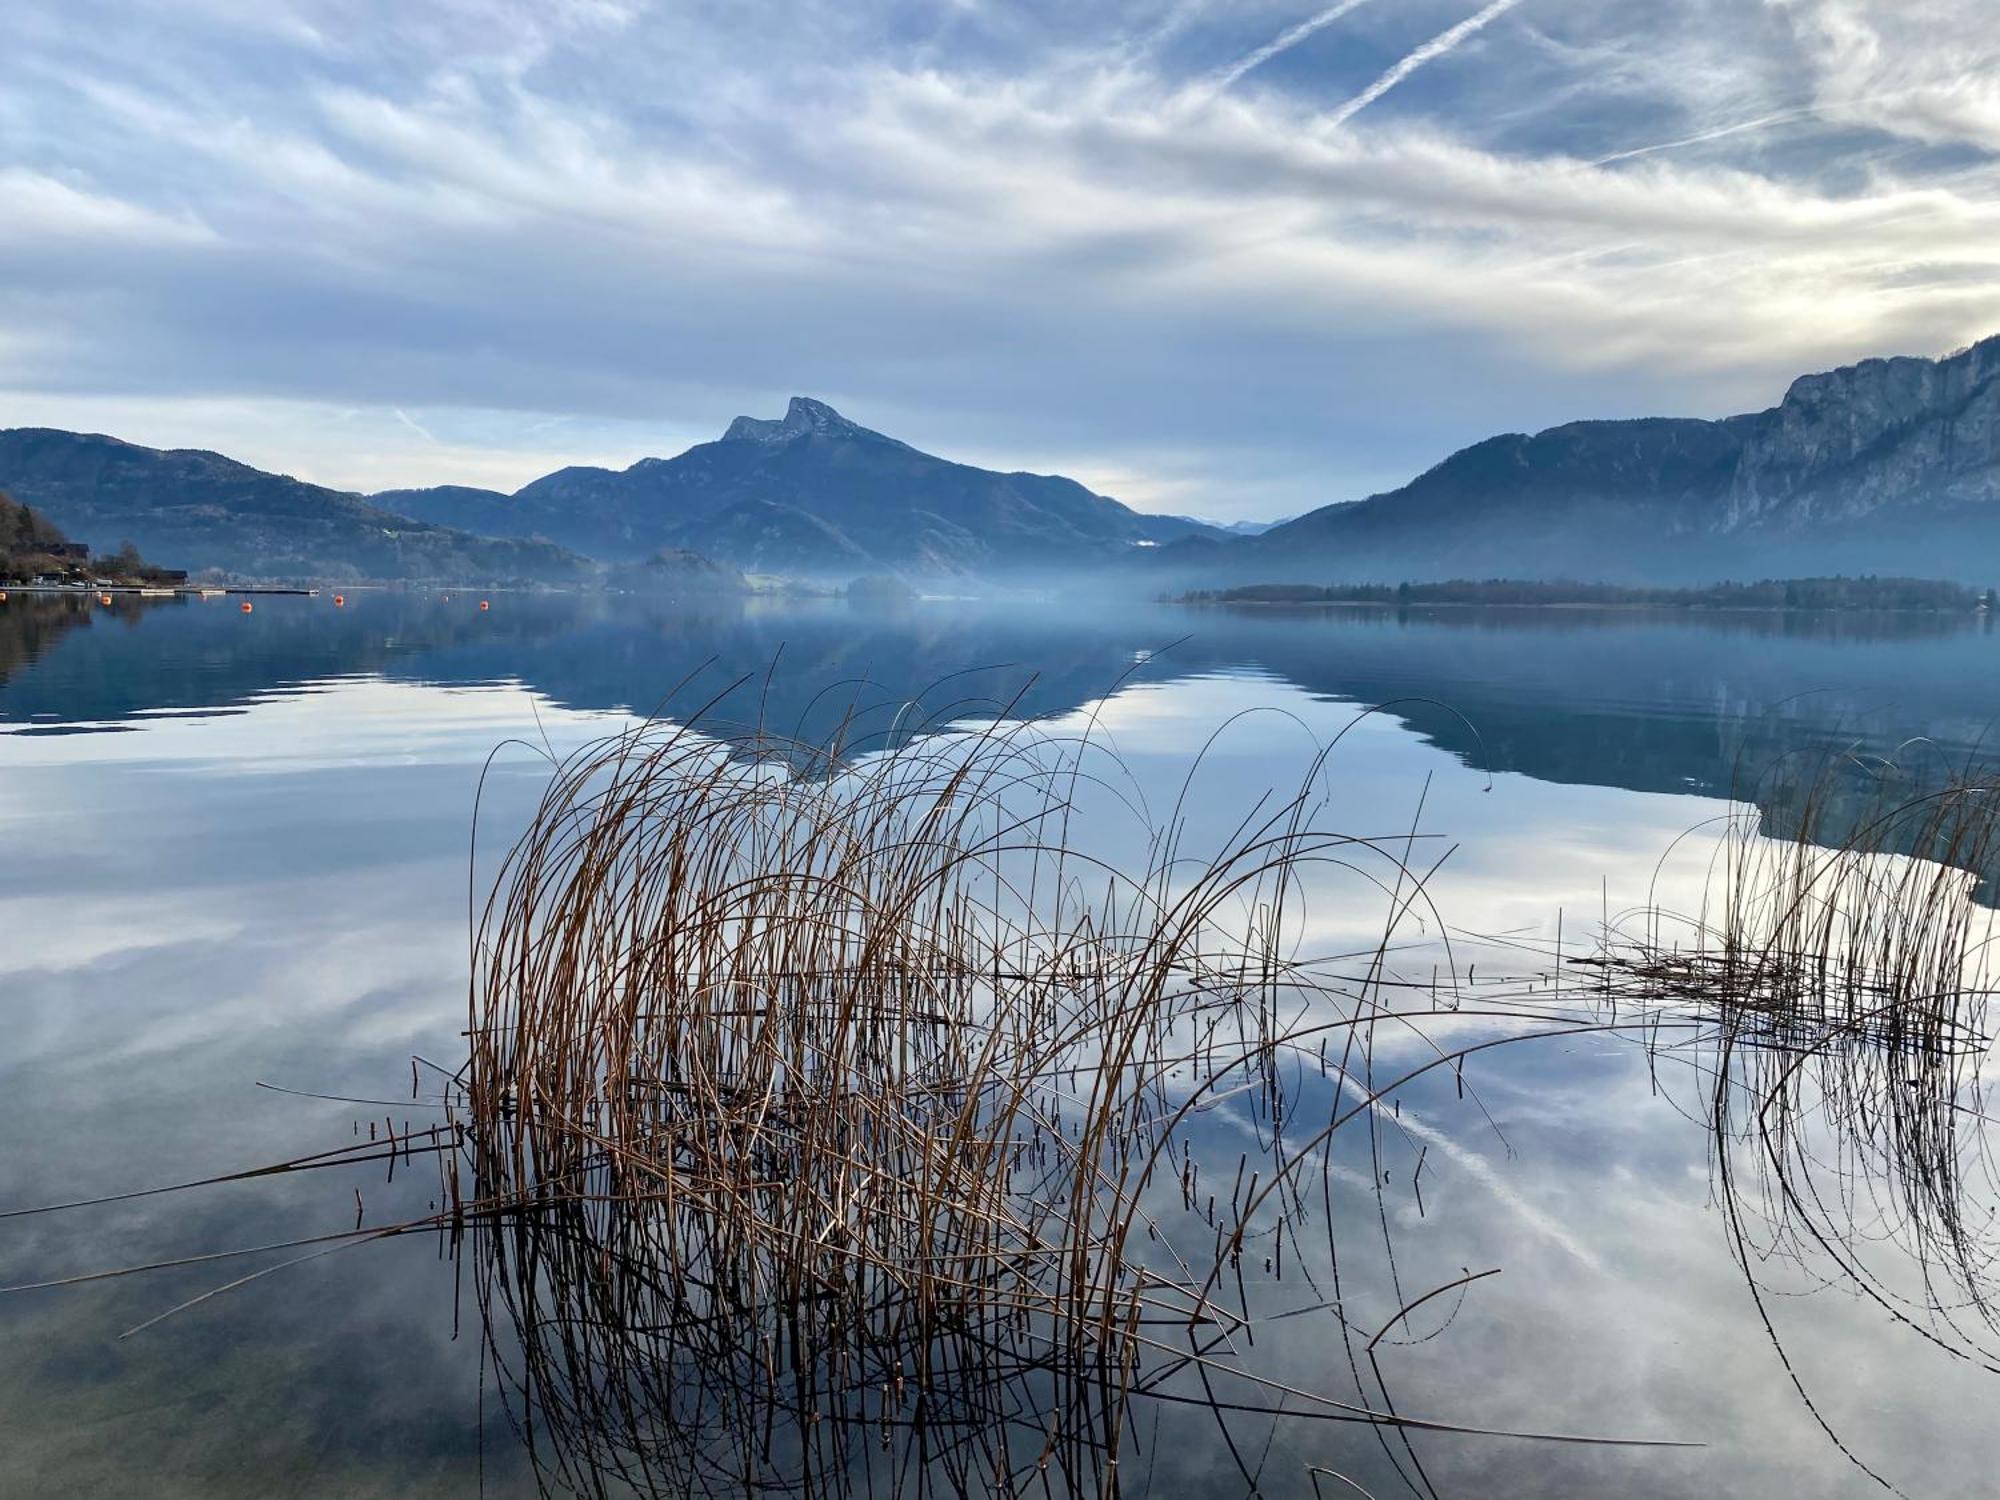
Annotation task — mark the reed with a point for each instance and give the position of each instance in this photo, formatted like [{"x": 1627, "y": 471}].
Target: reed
[
  {"x": 835, "y": 1122},
  {"x": 1839, "y": 972},
  {"x": 848, "y": 1119}
]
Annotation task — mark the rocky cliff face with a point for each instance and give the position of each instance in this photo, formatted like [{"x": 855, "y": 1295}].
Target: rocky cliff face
[{"x": 1877, "y": 435}]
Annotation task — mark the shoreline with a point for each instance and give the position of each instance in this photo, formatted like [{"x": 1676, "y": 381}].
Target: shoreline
[
  {"x": 148, "y": 590},
  {"x": 1388, "y": 606}
]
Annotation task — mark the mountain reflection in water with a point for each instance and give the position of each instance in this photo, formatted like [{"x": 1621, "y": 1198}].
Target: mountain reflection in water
[{"x": 1707, "y": 703}]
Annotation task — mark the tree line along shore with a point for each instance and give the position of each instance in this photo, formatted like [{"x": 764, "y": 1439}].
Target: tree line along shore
[{"x": 1864, "y": 592}]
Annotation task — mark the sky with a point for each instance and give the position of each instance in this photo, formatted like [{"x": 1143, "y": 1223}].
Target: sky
[{"x": 1231, "y": 258}]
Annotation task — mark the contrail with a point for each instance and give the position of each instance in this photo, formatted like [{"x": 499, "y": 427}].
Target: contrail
[
  {"x": 1721, "y": 132},
  {"x": 411, "y": 422},
  {"x": 1284, "y": 43},
  {"x": 1432, "y": 50},
  {"x": 1481, "y": 1170},
  {"x": 1178, "y": 20},
  {"x": 1781, "y": 117},
  {"x": 1471, "y": 1162}
]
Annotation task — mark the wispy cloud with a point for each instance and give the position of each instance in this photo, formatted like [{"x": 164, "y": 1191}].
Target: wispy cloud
[
  {"x": 1480, "y": 1170},
  {"x": 46, "y": 209},
  {"x": 1925, "y": 69}
]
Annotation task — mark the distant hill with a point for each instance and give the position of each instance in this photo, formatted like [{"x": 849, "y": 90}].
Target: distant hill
[
  {"x": 198, "y": 510},
  {"x": 766, "y": 537},
  {"x": 1891, "y": 466},
  {"x": 815, "y": 494}
]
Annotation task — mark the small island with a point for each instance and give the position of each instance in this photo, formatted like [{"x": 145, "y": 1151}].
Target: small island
[{"x": 1836, "y": 593}]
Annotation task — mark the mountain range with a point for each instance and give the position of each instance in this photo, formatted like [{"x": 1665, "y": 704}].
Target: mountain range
[
  {"x": 1887, "y": 466},
  {"x": 191, "y": 509},
  {"x": 810, "y": 494}
]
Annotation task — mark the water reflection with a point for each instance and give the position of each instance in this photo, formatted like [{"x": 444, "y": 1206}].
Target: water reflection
[
  {"x": 279, "y": 894},
  {"x": 1608, "y": 698}
]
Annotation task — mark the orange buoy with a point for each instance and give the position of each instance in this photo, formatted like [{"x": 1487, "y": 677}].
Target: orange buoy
[
  {"x": 247, "y": 606},
  {"x": 3, "y": 596},
  {"x": 338, "y": 600},
  {"x": 103, "y": 598}
]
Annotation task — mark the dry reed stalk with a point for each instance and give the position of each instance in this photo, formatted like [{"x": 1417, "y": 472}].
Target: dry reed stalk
[
  {"x": 857, "y": 1103},
  {"x": 836, "y": 1124},
  {"x": 1841, "y": 975}
]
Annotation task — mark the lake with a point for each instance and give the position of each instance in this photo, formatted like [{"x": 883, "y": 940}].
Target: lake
[{"x": 234, "y": 907}]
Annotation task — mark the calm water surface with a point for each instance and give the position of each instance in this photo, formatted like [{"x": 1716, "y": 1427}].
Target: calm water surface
[{"x": 236, "y": 854}]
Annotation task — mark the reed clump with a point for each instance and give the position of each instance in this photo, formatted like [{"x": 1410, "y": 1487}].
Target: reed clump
[
  {"x": 1866, "y": 926},
  {"x": 1843, "y": 976},
  {"x": 1839, "y": 974},
  {"x": 830, "y": 1104},
  {"x": 843, "y": 1119},
  {"x": 837, "y": 1123}
]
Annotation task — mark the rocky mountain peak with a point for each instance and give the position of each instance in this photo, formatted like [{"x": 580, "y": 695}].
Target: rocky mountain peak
[
  {"x": 804, "y": 416},
  {"x": 807, "y": 415}
]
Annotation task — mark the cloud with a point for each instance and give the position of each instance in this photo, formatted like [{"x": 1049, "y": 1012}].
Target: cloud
[
  {"x": 1023, "y": 236},
  {"x": 1944, "y": 91},
  {"x": 41, "y": 209}
]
